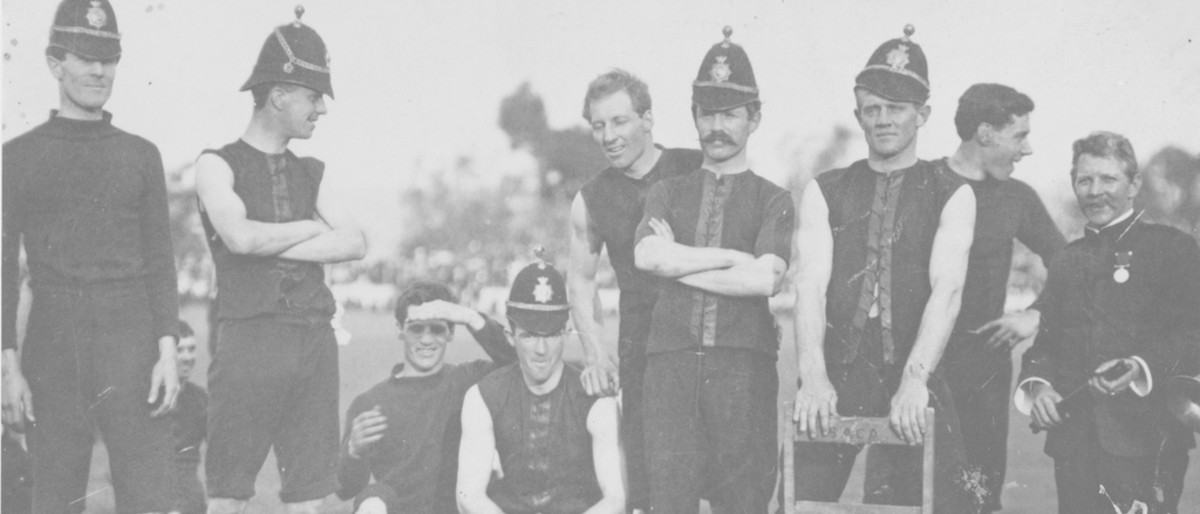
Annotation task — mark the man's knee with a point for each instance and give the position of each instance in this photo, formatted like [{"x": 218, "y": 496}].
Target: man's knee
[
  {"x": 307, "y": 507},
  {"x": 226, "y": 506}
]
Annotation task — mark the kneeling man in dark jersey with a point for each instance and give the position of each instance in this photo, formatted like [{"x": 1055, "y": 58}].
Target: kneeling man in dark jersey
[{"x": 532, "y": 438}]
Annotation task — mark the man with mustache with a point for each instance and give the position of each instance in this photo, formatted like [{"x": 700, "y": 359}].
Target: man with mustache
[
  {"x": 720, "y": 239},
  {"x": 1126, "y": 296},
  {"x": 605, "y": 214},
  {"x": 883, "y": 248},
  {"x": 533, "y": 441},
  {"x": 420, "y": 401},
  {"x": 89, "y": 203},
  {"x": 993, "y": 122},
  {"x": 270, "y": 227}
]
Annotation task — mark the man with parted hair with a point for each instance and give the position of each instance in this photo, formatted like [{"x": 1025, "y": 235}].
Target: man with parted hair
[
  {"x": 271, "y": 227},
  {"x": 1120, "y": 309},
  {"x": 605, "y": 214},
  {"x": 993, "y": 121},
  {"x": 88, "y": 202},
  {"x": 404, "y": 431},
  {"x": 883, "y": 248}
]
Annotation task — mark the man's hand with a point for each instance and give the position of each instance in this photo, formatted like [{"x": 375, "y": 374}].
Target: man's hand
[
  {"x": 1113, "y": 387},
  {"x": 1010, "y": 329},
  {"x": 816, "y": 407},
  {"x": 164, "y": 378},
  {"x": 600, "y": 378},
  {"x": 372, "y": 505},
  {"x": 1045, "y": 406},
  {"x": 446, "y": 311},
  {"x": 18, "y": 401},
  {"x": 367, "y": 428},
  {"x": 908, "y": 409},
  {"x": 662, "y": 229}
]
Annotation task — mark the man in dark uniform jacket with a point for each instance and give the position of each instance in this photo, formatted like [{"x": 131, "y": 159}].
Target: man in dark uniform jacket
[
  {"x": 89, "y": 203},
  {"x": 270, "y": 226},
  {"x": 1127, "y": 296},
  {"x": 720, "y": 239},
  {"x": 191, "y": 428},
  {"x": 883, "y": 257},
  {"x": 606, "y": 214},
  {"x": 533, "y": 441},
  {"x": 404, "y": 431},
  {"x": 993, "y": 122}
]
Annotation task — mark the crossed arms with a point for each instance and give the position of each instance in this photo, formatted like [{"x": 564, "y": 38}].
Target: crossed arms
[
  {"x": 712, "y": 269},
  {"x": 331, "y": 237}
]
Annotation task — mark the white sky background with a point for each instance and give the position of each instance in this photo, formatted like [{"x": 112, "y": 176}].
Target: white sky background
[{"x": 419, "y": 84}]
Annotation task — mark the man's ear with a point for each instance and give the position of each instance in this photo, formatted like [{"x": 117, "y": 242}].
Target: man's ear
[
  {"x": 923, "y": 113},
  {"x": 648, "y": 119},
  {"x": 985, "y": 134},
  {"x": 275, "y": 97},
  {"x": 55, "y": 66}
]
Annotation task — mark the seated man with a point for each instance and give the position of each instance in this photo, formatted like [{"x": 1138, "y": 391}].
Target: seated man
[
  {"x": 404, "y": 431},
  {"x": 190, "y": 425},
  {"x": 557, "y": 449}
]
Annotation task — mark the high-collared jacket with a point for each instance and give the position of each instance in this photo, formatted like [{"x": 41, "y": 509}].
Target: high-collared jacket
[{"x": 1129, "y": 290}]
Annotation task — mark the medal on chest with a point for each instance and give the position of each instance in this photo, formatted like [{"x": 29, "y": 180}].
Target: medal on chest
[{"x": 1121, "y": 266}]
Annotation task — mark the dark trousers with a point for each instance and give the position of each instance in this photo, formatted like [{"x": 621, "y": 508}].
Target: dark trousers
[
  {"x": 1093, "y": 480},
  {"x": 632, "y": 355},
  {"x": 894, "y": 473},
  {"x": 87, "y": 356},
  {"x": 710, "y": 423},
  {"x": 980, "y": 381},
  {"x": 273, "y": 384}
]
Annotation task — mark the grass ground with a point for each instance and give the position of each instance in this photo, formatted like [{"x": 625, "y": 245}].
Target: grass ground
[{"x": 374, "y": 349}]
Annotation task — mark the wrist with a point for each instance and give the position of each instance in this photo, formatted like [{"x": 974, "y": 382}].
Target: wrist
[
  {"x": 915, "y": 374},
  {"x": 166, "y": 347},
  {"x": 475, "y": 321},
  {"x": 811, "y": 375},
  {"x": 350, "y": 451}
]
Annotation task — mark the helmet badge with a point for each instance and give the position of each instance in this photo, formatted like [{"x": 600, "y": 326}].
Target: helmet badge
[
  {"x": 542, "y": 291},
  {"x": 898, "y": 57},
  {"x": 96, "y": 17},
  {"x": 720, "y": 70}
]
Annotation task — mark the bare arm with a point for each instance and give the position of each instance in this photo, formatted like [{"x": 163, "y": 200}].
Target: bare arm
[
  {"x": 760, "y": 277},
  {"x": 18, "y": 401},
  {"x": 816, "y": 400},
  {"x": 603, "y": 423},
  {"x": 656, "y": 251},
  {"x": 475, "y": 453},
  {"x": 666, "y": 258},
  {"x": 227, "y": 212},
  {"x": 947, "y": 273},
  {"x": 343, "y": 241},
  {"x": 600, "y": 375}
]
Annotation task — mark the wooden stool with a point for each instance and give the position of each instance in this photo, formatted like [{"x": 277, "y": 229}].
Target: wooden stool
[{"x": 853, "y": 431}]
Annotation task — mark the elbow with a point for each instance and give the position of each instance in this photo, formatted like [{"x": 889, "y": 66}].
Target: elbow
[
  {"x": 777, "y": 283},
  {"x": 239, "y": 243},
  {"x": 643, "y": 259}
]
